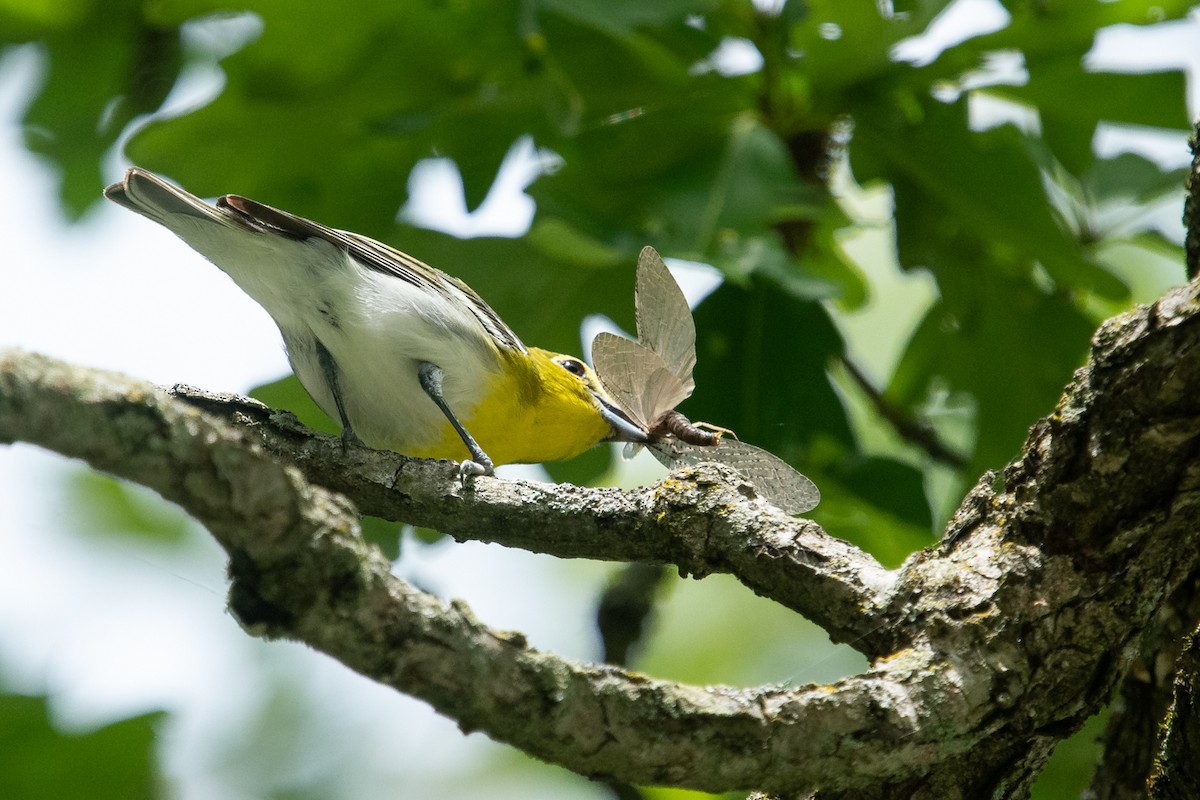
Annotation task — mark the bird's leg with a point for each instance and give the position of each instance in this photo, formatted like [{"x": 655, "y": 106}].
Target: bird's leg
[
  {"x": 431, "y": 381},
  {"x": 330, "y": 371}
]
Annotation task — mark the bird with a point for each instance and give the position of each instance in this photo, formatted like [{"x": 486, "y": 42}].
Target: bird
[{"x": 405, "y": 357}]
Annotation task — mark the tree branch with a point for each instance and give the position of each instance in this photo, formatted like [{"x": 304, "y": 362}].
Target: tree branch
[
  {"x": 699, "y": 520},
  {"x": 1134, "y": 729},
  {"x": 1177, "y": 773},
  {"x": 299, "y": 569},
  {"x": 990, "y": 647}
]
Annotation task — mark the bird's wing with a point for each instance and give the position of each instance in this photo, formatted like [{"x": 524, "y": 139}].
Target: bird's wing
[{"x": 377, "y": 256}]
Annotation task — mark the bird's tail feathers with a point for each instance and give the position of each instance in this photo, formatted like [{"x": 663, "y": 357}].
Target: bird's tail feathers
[{"x": 156, "y": 198}]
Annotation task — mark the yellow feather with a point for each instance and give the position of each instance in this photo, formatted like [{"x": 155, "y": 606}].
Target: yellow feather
[{"x": 534, "y": 411}]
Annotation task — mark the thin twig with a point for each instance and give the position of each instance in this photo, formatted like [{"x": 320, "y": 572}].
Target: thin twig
[{"x": 910, "y": 429}]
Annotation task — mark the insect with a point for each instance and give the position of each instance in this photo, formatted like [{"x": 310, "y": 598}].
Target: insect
[{"x": 651, "y": 376}]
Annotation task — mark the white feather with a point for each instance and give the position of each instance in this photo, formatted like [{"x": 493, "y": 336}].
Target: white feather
[{"x": 378, "y": 327}]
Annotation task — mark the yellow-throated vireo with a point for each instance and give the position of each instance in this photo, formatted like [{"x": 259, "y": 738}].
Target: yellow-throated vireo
[{"x": 405, "y": 357}]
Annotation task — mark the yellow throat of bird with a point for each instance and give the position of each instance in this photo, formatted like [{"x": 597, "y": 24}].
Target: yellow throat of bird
[{"x": 533, "y": 410}]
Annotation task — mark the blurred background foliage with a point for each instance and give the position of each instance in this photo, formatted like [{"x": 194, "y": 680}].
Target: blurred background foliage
[{"x": 914, "y": 245}]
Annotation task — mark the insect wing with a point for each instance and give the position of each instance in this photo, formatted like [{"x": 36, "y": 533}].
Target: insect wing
[
  {"x": 773, "y": 477},
  {"x": 636, "y": 378},
  {"x": 664, "y": 320}
]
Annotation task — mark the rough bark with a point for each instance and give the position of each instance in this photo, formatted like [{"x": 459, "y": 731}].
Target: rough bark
[
  {"x": 1049, "y": 586},
  {"x": 1177, "y": 771}
]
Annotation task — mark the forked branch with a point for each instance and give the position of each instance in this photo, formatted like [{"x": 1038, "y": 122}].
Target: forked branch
[{"x": 988, "y": 649}]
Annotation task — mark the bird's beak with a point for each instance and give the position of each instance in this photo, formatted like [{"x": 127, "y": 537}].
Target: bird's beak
[{"x": 623, "y": 428}]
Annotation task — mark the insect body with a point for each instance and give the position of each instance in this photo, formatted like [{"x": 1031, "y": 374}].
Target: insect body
[{"x": 651, "y": 376}]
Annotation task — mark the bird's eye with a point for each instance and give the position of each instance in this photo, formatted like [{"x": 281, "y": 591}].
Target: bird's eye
[{"x": 573, "y": 366}]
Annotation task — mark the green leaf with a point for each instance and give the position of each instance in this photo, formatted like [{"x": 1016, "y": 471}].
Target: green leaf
[
  {"x": 21, "y": 20},
  {"x": 967, "y": 199},
  {"x": 761, "y": 361},
  {"x": 624, "y": 17},
  {"x": 1069, "y": 771},
  {"x": 1132, "y": 179},
  {"x": 762, "y": 358},
  {"x": 100, "y": 505},
  {"x": 783, "y": 644},
  {"x": 116, "y": 761},
  {"x": 845, "y": 45},
  {"x": 560, "y": 241},
  {"x": 383, "y": 534},
  {"x": 287, "y": 394},
  {"x": 865, "y": 514},
  {"x": 1072, "y": 102},
  {"x": 1051, "y": 28},
  {"x": 104, "y": 66},
  {"x": 1010, "y": 345},
  {"x": 480, "y": 76},
  {"x": 891, "y": 486},
  {"x": 584, "y": 469},
  {"x": 341, "y": 118}
]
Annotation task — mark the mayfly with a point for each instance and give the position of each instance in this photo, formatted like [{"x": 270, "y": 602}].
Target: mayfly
[{"x": 651, "y": 376}]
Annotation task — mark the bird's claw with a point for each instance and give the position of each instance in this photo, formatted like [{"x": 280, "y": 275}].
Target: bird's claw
[{"x": 471, "y": 469}]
